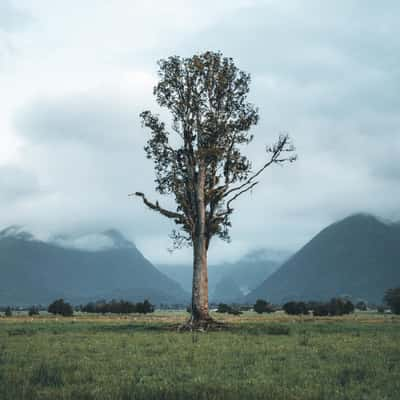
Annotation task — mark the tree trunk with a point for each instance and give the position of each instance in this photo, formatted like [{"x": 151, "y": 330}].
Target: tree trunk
[
  {"x": 200, "y": 281},
  {"x": 200, "y": 274}
]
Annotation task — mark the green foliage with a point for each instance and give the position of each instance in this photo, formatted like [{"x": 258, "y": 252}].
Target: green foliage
[
  {"x": 392, "y": 299},
  {"x": 61, "y": 307},
  {"x": 8, "y": 312},
  {"x": 206, "y": 95},
  {"x": 263, "y": 306}
]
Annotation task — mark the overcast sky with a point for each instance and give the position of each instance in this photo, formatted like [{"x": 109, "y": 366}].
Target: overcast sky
[{"x": 74, "y": 75}]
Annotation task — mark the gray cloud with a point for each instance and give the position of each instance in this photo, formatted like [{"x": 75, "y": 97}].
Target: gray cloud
[
  {"x": 89, "y": 154},
  {"x": 16, "y": 184},
  {"x": 95, "y": 120},
  {"x": 325, "y": 72}
]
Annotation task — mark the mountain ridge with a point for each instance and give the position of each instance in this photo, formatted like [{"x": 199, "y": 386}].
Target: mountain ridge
[
  {"x": 35, "y": 271},
  {"x": 229, "y": 282},
  {"x": 357, "y": 256}
]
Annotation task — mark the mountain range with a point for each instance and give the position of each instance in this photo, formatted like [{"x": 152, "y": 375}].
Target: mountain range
[
  {"x": 34, "y": 271},
  {"x": 358, "y": 256},
  {"x": 230, "y": 282}
]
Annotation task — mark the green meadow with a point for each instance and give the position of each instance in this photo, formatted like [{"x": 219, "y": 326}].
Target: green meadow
[{"x": 254, "y": 357}]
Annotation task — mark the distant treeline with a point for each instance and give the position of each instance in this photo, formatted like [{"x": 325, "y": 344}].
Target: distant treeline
[
  {"x": 118, "y": 307},
  {"x": 335, "y": 306},
  {"x": 61, "y": 307}
]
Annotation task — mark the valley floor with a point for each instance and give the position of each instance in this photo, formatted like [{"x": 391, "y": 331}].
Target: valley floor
[{"x": 258, "y": 357}]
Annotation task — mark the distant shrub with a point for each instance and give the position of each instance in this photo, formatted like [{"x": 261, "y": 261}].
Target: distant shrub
[
  {"x": 392, "y": 299},
  {"x": 61, "y": 307},
  {"x": 335, "y": 306},
  {"x": 33, "y": 311},
  {"x": 263, "y": 306},
  {"x": 295, "y": 308},
  {"x": 380, "y": 309},
  {"x": 339, "y": 306},
  {"x": 320, "y": 309},
  {"x": 361, "y": 306},
  {"x": 89, "y": 307},
  {"x": 144, "y": 308},
  {"x": 8, "y": 312},
  {"x": 225, "y": 308}
]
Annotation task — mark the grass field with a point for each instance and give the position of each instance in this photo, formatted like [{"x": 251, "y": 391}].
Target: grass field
[{"x": 258, "y": 357}]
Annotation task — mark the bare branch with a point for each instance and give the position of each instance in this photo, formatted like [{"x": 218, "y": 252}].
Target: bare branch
[
  {"x": 157, "y": 207},
  {"x": 239, "y": 194},
  {"x": 282, "y": 146},
  {"x": 229, "y": 209}
]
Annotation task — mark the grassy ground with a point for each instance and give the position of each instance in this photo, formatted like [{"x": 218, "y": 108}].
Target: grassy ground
[{"x": 258, "y": 357}]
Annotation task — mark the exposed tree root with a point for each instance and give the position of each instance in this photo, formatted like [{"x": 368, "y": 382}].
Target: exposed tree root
[{"x": 203, "y": 325}]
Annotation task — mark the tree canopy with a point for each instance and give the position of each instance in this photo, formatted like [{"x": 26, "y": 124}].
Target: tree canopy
[{"x": 207, "y": 97}]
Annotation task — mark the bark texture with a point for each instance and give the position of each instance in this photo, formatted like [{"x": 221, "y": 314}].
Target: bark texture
[
  {"x": 200, "y": 282},
  {"x": 200, "y": 246}
]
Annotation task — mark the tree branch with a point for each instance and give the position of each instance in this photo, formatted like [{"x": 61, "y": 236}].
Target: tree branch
[
  {"x": 283, "y": 145},
  {"x": 239, "y": 194},
  {"x": 229, "y": 209},
  {"x": 157, "y": 207}
]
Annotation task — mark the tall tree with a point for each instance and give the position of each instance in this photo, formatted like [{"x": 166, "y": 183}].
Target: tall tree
[{"x": 203, "y": 167}]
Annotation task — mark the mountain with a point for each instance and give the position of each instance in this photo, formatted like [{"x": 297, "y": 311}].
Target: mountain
[
  {"x": 229, "y": 282},
  {"x": 183, "y": 274},
  {"x": 226, "y": 291},
  {"x": 358, "y": 256},
  {"x": 34, "y": 271},
  {"x": 246, "y": 274}
]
